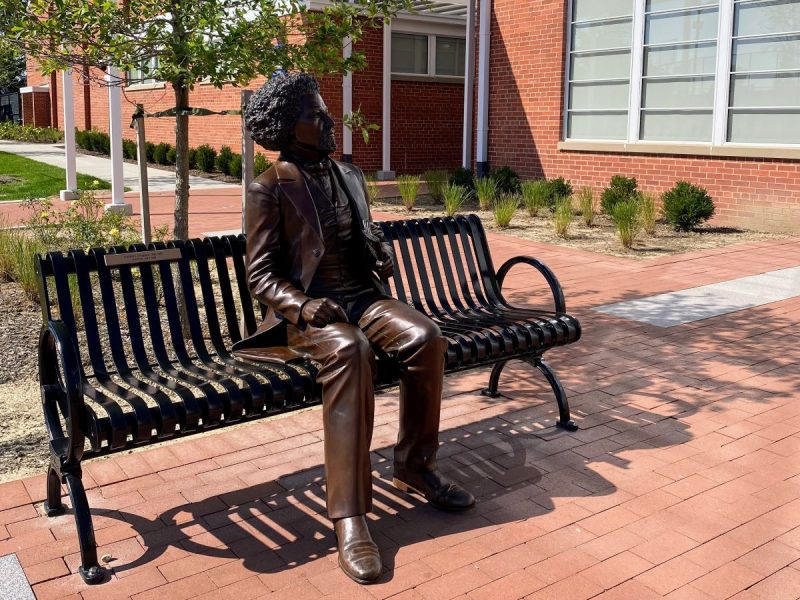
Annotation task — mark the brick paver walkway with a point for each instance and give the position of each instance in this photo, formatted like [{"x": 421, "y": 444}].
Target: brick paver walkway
[{"x": 683, "y": 481}]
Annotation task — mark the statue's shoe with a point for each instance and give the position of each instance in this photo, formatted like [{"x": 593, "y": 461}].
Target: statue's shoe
[
  {"x": 436, "y": 489},
  {"x": 358, "y": 554}
]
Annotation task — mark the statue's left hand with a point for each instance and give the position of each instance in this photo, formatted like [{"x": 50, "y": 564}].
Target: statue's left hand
[{"x": 385, "y": 268}]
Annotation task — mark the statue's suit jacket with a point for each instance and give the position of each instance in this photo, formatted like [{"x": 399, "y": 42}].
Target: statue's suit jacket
[{"x": 285, "y": 243}]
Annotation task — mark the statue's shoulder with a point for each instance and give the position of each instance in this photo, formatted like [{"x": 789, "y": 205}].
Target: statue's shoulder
[
  {"x": 278, "y": 171},
  {"x": 346, "y": 167}
]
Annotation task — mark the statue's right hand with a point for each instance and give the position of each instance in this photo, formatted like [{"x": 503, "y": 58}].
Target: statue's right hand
[{"x": 322, "y": 311}]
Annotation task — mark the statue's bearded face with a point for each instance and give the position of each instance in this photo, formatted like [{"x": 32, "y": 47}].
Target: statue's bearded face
[{"x": 314, "y": 127}]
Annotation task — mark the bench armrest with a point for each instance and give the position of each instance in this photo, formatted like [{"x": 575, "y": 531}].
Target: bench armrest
[
  {"x": 552, "y": 280},
  {"x": 61, "y": 382}
]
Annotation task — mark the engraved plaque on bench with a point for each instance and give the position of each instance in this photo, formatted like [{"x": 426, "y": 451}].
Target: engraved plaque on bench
[{"x": 145, "y": 256}]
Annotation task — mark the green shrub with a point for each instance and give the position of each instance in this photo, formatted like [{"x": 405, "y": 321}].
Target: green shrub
[
  {"x": 235, "y": 166},
  {"x": 129, "y": 149},
  {"x": 507, "y": 180},
  {"x": 505, "y": 205},
  {"x": 585, "y": 200},
  {"x": 535, "y": 195},
  {"x": 206, "y": 157},
  {"x": 486, "y": 191},
  {"x": 223, "y": 161},
  {"x": 627, "y": 218},
  {"x": 648, "y": 213},
  {"x": 260, "y": 164},
  {"x": 18, "y": 249},
  {"x": 172, "y": 155},
  {"x": 408, "y": 185},
  {"x": 558, "y": 188},
  {"x": 28, "y": 133},
  {"x": 685, "y": 206},
  {"x": 149, "y": 150},
  {"x": 621, "y": 189},
  {"x": 562, "y": 216},
  {"x": 192, "y": 158},
  {"x": 462, "y": 177},
  {"x": 453, "y": 197},
  {"x": 436, "y": 180},
  {"x": 80, "y": 139},
  {"x": 160, "y": 153},
  {"x": 372, "y": 188}
]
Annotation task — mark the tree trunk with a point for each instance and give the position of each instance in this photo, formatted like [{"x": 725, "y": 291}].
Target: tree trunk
[{"x": 181, "y": 229}]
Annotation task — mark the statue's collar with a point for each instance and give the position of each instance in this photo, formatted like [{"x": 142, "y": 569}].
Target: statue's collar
[{"x": 308, "y": 165}]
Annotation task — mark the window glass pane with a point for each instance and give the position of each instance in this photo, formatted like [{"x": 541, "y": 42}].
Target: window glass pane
[
  {"x": 597, "y": 126},
  {"x": 599, "y": 36},
  {"x": 601, "y": 65},
  {"x": 765, "y": 128},
  {"x": 766, "y": 90},
  {"x": 585, "y": 10},
  {"x": 681, "y": 27},
  {"x": 450, "y": 56},
  {"x": 654, "y": 5},
  {"x": 767, "y": 17},
  {"x": 772, "y": 54},
  {"x": 695, "y": 92},
  {"x": 676, "y": 126},
  {"x": 695, "y": 59},
  {"x": 409, "y": 53},
  {"x": 599, "y": 95}
]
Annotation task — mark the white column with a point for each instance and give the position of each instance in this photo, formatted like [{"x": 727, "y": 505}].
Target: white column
[
  {"x": 347, "y": 103},
  {"x": 722, "y": 89},
  {"x": 484, "y": 41},
  {"x": 115, "y": 133},
  {"x": 469, "y": 82},
  {"x": 248, "y": 158},
  {"x": 637, "y": 66},
  {"x": 386, "y": 172},
  {"x": 71, "y": 191}
]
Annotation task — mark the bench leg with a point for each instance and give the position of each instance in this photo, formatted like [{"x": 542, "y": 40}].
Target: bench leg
[
  {"x": 564, "y": 419},
  {"x": 53, "y": 505},
  {"x": 494, "y": 380},
  {"x": 90, "y": 570}
]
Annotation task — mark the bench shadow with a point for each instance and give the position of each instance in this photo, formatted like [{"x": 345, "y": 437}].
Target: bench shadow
[{"x": 516, "y": 464}]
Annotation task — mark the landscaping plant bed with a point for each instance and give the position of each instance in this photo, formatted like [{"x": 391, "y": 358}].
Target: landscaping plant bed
[{"x": 600, "y": 237}]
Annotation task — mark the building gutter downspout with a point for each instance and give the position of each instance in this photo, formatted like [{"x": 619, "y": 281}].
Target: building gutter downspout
[{"x": 484, "y": 40}]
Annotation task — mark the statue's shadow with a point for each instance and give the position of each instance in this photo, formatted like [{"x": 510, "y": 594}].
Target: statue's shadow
[{"x": 516, "y": 468}]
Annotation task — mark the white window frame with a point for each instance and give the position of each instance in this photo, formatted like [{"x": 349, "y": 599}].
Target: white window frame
[
  {"x": 144, "y": 84},
  {"x": 431, "y": 74},
  {"x": 722, "y": 78}
]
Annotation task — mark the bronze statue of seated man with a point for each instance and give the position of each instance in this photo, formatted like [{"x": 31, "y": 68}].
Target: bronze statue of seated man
[{"x": 315, "y": 259}]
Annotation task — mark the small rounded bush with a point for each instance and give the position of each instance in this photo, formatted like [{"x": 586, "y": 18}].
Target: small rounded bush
[
  {"x": 206, "y": 157},
  {"x": 192, "y": 158},
  {"x": 621, "y": 189},
  {"x": 507, "y": 180},
  {"x": 223, "y": 160},
  {"x": 260, "y": 164},
  {"x": 235, "y": 166},
  {"x": 557, "y": 188},
  {"x": 462, "y": 177},
  {"x": 160, "y": 153},
  {"x": 687, "y": 205},
  {"x": 129, "y": 149},
  {"x": 172, "y": 155},
  {"x": 149, "y": 150}
]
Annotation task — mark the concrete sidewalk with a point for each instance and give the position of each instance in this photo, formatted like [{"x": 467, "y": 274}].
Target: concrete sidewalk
[{"x": 100, "y": 167}]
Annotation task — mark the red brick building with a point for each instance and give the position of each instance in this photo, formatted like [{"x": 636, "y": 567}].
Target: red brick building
[{"x": 662, "y": 90}]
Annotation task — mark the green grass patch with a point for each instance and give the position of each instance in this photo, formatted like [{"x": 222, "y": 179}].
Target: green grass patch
[{"x": 22, "y": 178}]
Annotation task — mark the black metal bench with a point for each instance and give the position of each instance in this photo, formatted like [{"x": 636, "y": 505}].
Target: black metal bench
[{"x": 119, "y": 367}]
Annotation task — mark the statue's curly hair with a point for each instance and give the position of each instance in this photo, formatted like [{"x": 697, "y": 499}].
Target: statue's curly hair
[{"x": 273, "y": 110}]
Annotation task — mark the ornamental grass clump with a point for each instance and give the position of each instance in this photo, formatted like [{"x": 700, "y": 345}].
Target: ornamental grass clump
[
  {"x": 562, "y": 216},
  {"x": 486, "y": 191},
  {"x": 627, "y": 218},
  {"x": 504, "y": 207},
  {"x": 408, "y": 186},
  {"x": 436, "y": 181},
  {"x": 18, "y": 250},
  {"x": 453, "y": 198},
  {"x": 372, "y": 189},
  {"x": 535, "y": 195},
  {"x": 685, "y": 206},
  {"x": 585, "y": 201},
  {"x": 648, "y": 213}
]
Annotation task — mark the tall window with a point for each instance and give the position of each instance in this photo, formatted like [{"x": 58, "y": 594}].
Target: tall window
[
  {"x": 424, "y": 54},
  {"x": 694, "y": 71}
]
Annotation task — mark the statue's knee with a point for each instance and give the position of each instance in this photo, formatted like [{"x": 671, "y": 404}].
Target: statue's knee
[
  {"x": 351, "y": 343},
  {"x": 427, "y": 334}
]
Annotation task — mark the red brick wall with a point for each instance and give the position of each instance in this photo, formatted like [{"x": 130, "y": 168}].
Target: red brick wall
[
  {"x": 525, "y": 108},
  {"x": 426, "y": 131}
]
